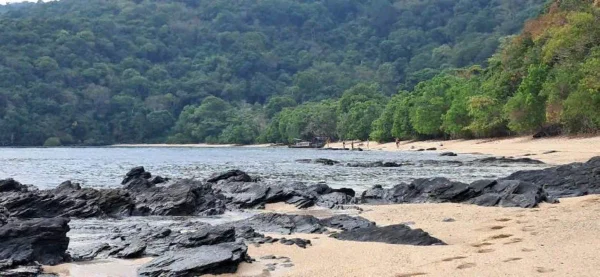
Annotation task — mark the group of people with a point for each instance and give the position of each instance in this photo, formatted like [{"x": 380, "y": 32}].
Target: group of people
[{"x": 352, "y": 144}]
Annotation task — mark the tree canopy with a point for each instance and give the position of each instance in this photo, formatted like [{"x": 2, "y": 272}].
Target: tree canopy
[{"x": 87, "y": 72}]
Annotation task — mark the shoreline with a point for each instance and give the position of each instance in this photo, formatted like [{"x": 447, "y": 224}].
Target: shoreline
[{"x": 564, "y": 149}]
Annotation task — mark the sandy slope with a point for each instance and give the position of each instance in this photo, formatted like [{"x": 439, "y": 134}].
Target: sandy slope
[
  {"x": 569, "y": 149},
  {"x": 553, "y": 240}
]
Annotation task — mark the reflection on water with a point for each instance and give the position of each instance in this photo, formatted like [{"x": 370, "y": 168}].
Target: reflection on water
[{"x": 105, "y": 166}]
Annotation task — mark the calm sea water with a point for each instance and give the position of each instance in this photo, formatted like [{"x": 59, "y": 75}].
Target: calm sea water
[{"x": 105, "y": 166}]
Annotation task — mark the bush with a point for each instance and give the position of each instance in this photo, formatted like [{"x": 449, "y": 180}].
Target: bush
[{"x": 52, "y": 142}]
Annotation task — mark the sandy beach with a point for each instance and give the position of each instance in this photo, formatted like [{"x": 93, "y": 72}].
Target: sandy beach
[
  {"x": 568, "y": 150},
  {"x": 552, "y": 240}
]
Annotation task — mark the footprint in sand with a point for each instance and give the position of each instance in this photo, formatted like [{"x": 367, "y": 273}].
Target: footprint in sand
[
  {"x": 500, "y": 236},
  {"x": 527, "y": 250},
  {"x": 528, "y": 228},
  {"x": 411, "y": 274},
  {"x": 512, "y": 260},
  {"x": 482, "y": 244},
  {"x": 514, "y": 240},
  {"x": 485, "y": 250},
  {"x": 544, "y": 270},
  {"x": 453, "y": 258},
  {"x": 503, "y": 219},
  {"x": 466, "y": 265},
  {"x": 497, "y": 227}
]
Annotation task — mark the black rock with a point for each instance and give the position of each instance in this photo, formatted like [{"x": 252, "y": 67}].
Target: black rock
[
  {"x": 326, "y": 161},
  {"x": 569, "y": 180},
  {"x": 210, "y": 259},
  {"x": 184, "y": 197},
  {"x": 231, "y": 176},
  {"x": 439, "y": 190},
  {"x": 448, "y": 154},
  {"x": 346, "y": 223},
  {"x": 36, "y": 240},
  {"x": 374, "y": 164},
  {"x": 134, "y": 250},
  {"x": 134, "y": 173},
  {"x": 448, "y": 219},
  {"x": 431, "y": 149},
  {"x": 549, "y": 131},
  {"x": 11, "y": 185},
  {"x": 392, "y": 234},
  {"x": 281, "y": 223},
  {"x": 501, "y": 160}
]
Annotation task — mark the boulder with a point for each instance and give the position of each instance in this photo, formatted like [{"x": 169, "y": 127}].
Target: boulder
[
  {"x": 346, "y": 222},
  {"x": 182, "y": 198},
  {"x": 231, "y": 176},
  {"x": 210, "y": 259},
  {"x": 326, "y": 161},
  {"x": 448, "y": 154},
  {"x": 392, "y": 234},
  {"x": 9, "y": 185},
  {"x": 36, "y": 240}
]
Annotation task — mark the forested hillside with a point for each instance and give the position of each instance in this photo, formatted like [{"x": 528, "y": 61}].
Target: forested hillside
[
  {"x": 549, "y": 75},
  {"x": 84, "y": 72}
]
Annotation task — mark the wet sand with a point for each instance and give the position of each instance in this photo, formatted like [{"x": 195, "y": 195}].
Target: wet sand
[{"x": 568, "y": 149}]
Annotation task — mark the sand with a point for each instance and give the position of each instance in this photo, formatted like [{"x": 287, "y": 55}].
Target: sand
[
  {"x": 568, "y": 149},
  {"x": 553, "y": 240}
]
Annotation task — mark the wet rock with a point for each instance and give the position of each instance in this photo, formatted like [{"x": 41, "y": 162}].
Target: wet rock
[
  {"x": 67, "y": 201},
  {"x": 346, "y": 222},
  {"x": 231, "y": 176},
  {"x": 268, "y": 257},
  {"x": 184, "y": 197},
  {"x": 431, "y": 149},
  {"x": 392, "y": 234},
  {"x": 326, "y": 161},
  {"x": 281, "y": 223},
  {"x": 36, "y": 240},
  {"x": 3, "y": 215},
  {"x": 550, "y": 152},
  {"x": 206, "y": 235},
  {"x": 439, "y": 190},
  {"x": 448, "y": 219},
  {"x": 67, "y": 186},
  {"x": 135, "y": 173},
  {"x": 9, "y": 185},
  {"x": 210, "y": 259},
  {"x": 133, "y": 250},
  {"x": 374, "y": 164},
  {"x": 569, "y": 180},
  {"x": 448, "y": 154},
  {"x": 501, "y": 160},
  {"x": 7, "y": 269}
]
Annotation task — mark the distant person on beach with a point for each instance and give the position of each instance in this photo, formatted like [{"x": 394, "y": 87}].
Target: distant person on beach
[
  {"x": 397, "y": 143},
  {"x": 344, "y": 145},
  {"x": 352, "y": 145}
]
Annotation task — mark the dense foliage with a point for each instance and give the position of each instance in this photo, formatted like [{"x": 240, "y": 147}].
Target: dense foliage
[
  {"x": 547, "y": 76},
  {"x": 106, "y": 71}
]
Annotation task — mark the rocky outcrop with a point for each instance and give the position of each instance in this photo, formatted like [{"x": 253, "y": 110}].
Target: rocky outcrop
[
  {"x": 231, "y": 176},
  {"x": 184, "y": 197},
  {"x": 25, "y": 242},
  {"x": 501, "y": 160},
  {"x": 210, "y": 259},
  {"x": 374, "y": 164},
  {"x": 392, "y": 234},
  {"x": 448, "y": 154},
  {"x": 346, "y": 222},
  {"x": 569, "y": 180},
  {"x": 505, "y": 193},
  {"x": 281, "y": 224}
]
